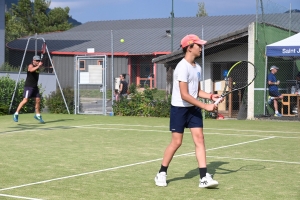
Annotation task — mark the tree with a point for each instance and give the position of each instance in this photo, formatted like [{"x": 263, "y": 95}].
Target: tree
[
  {"x": 201, "y": 10},
  {"x": 13, "y": 28},
  {"x": 27, "y": 18}
]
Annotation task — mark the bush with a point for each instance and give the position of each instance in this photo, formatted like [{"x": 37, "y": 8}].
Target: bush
[
  {"x": 7, "y": 86},
  {"x": 56, "y": 104},
  {"x": 3, "y": 109},
  {"x": 142, "y": 104},
  {"x": 7, "y": 67}
]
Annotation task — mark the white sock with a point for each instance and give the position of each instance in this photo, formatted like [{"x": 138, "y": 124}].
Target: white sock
[
  {"x": 272, "y": 97},
  {"x": 16, "y": 113},
  {"x": 38, "y": 115},
  {"x": 276, "y": 112}
]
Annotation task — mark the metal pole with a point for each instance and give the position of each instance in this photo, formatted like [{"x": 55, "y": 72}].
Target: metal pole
[
  {"x": 112, "y": 66},
  {"x": 256, "y": 20},
  {"x": 35, "y": 49},
  {"x": 203, "y": 61},
  {"x": 203, "y": 80},
  {"x": 290, "y": 19},
  {"x": 63, "y": 96},
  {"x": 265, "y": 90},
  {"x": 75, "y": 85},
  {"x": 172, "y": 25}
]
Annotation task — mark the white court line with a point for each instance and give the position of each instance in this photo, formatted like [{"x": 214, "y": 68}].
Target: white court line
[
  {"x": 252, "y": 159},
  {"x": 259, "y": 131},
  {"x": 18, "y": 197},
  {"x": 140, "y": 130},
  {"x": 229, "y": 134},
  {"x": 124, "y": 166},
  {"x": 82, "y": 126}
]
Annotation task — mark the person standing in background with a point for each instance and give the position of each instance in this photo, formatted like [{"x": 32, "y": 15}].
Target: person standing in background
[
  {"x": 273, "y": 89},
  {"x": 123, "y": 86}
]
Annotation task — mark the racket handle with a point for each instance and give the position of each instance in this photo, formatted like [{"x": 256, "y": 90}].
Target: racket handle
[{"x": 218, "y": 101}]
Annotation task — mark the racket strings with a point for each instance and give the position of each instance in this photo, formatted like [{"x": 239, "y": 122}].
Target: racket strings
[{"x": 240, "y": 76}]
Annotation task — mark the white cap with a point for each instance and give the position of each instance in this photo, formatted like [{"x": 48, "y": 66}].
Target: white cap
[{"x": 274, "y": 67}]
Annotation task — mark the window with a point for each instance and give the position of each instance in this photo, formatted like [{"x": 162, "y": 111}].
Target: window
[
  {"x": 100, "y": 62},
  {"x": 82, "y": 65}
]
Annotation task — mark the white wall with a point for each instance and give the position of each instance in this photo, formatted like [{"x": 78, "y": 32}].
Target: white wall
[{"x": 251, "y": 46}]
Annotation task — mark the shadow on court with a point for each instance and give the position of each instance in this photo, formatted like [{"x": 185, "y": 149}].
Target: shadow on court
[
  {"x": 59, "y": 120},
  {"x": 215, "y": 168},
  {"x": 37, "y": 126}
]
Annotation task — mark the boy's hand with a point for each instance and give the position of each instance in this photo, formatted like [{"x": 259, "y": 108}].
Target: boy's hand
[
  {"x": 215, "y": 97},
  {"x": 210, "y": 107}
]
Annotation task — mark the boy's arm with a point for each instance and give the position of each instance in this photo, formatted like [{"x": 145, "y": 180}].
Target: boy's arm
[
  {"x": 183, "y": 86},
  {"x": 31, "y": 68},
  {"x": 206, "y": 95}
]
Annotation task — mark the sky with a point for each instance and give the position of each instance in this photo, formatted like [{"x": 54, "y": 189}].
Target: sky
[{"x": 103, "y": 10}]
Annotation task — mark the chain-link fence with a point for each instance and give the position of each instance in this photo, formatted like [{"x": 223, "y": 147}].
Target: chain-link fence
[{"x": 147, "y": 51}]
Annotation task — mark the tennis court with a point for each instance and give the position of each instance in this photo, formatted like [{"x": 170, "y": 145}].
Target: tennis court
[{"x": 97, "y": 157}]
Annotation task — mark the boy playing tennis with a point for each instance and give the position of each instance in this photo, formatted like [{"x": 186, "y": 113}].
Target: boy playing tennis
[{"x": 186, "y": 111}]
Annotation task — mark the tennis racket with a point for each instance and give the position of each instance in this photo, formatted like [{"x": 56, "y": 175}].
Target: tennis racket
[
  {"x": 239, "y": 76},
  {"x": 43, "y": 50}
]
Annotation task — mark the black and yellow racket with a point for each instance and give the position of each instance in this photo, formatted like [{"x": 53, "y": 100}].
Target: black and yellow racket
[{"x": 239, "y": 76}]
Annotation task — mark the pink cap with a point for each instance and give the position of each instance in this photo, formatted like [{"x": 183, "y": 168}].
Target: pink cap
[{"x": 191, "y": 39}]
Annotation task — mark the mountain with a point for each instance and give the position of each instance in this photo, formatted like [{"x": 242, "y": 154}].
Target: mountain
[
  {"x": 293, "y": 11},
  {"x": 8, "y": 4}
]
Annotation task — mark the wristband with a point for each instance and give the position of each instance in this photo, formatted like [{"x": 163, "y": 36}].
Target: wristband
[{"x": 211, "y": 97}]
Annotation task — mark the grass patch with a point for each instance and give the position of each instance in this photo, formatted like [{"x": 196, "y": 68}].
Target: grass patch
[{"x": 101, "y": 157}]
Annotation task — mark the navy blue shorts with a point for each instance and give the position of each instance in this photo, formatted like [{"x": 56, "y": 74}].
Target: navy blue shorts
[
  {"x": 30, "y": 92},
  {"x": 274, "y": 93},
  {"x": 185, "y": 117}
]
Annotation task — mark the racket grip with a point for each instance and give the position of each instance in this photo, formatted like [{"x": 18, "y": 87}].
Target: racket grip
[{"x": 218, "y": 101}]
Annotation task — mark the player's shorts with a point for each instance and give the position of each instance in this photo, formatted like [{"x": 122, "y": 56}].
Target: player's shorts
[
  {"x": 30, "y": 92},
  {"x": 274, "y": 93},
  {"x": 185, "y": 117}
]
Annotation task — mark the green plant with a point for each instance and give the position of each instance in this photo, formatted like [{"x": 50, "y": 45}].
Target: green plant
[
  {"x": 3, "y": 109},
  {"x": 8, "y": 68},
  {"x": 132, "y": 88},
  {"x": 7, "y": 86},
  {"x": 55, "y": 101},
  {"x": 142, "y": 104}
]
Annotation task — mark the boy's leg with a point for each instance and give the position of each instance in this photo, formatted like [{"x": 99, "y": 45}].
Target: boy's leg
[
  {"x": 172, "y": 148},
  {"x": 37, "y": 115},
  {"x": 206, "y": 180},
  {"x": 161, "y": 177},
  {"x": 37, "y": 105},
  {"x": 197, "y": 134},
  {"x": 21, "y": 104}
]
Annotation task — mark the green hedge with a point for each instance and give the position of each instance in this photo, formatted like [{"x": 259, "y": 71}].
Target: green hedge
[
  {"x": 142, "y": 104},
  {"x": 56, "y": 104},
  {"x": 7, "y": 86}
]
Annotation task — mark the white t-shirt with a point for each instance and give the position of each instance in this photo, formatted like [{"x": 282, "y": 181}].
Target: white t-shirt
[{"x": 190, "y": 74}]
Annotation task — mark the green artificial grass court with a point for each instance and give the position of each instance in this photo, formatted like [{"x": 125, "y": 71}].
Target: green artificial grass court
[{"x": 103, "y": 157}]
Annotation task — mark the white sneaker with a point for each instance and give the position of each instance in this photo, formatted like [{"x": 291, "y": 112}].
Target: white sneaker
[
  {"x": 161, "y": 179},
  {"x": 208, "y": 182}
]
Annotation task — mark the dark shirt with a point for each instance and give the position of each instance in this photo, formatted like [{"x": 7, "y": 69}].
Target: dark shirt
[
  {"x": 272, "y": 78},
  {"x": 32, "y": 79},
  {"x": 124, "y": 88}
]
